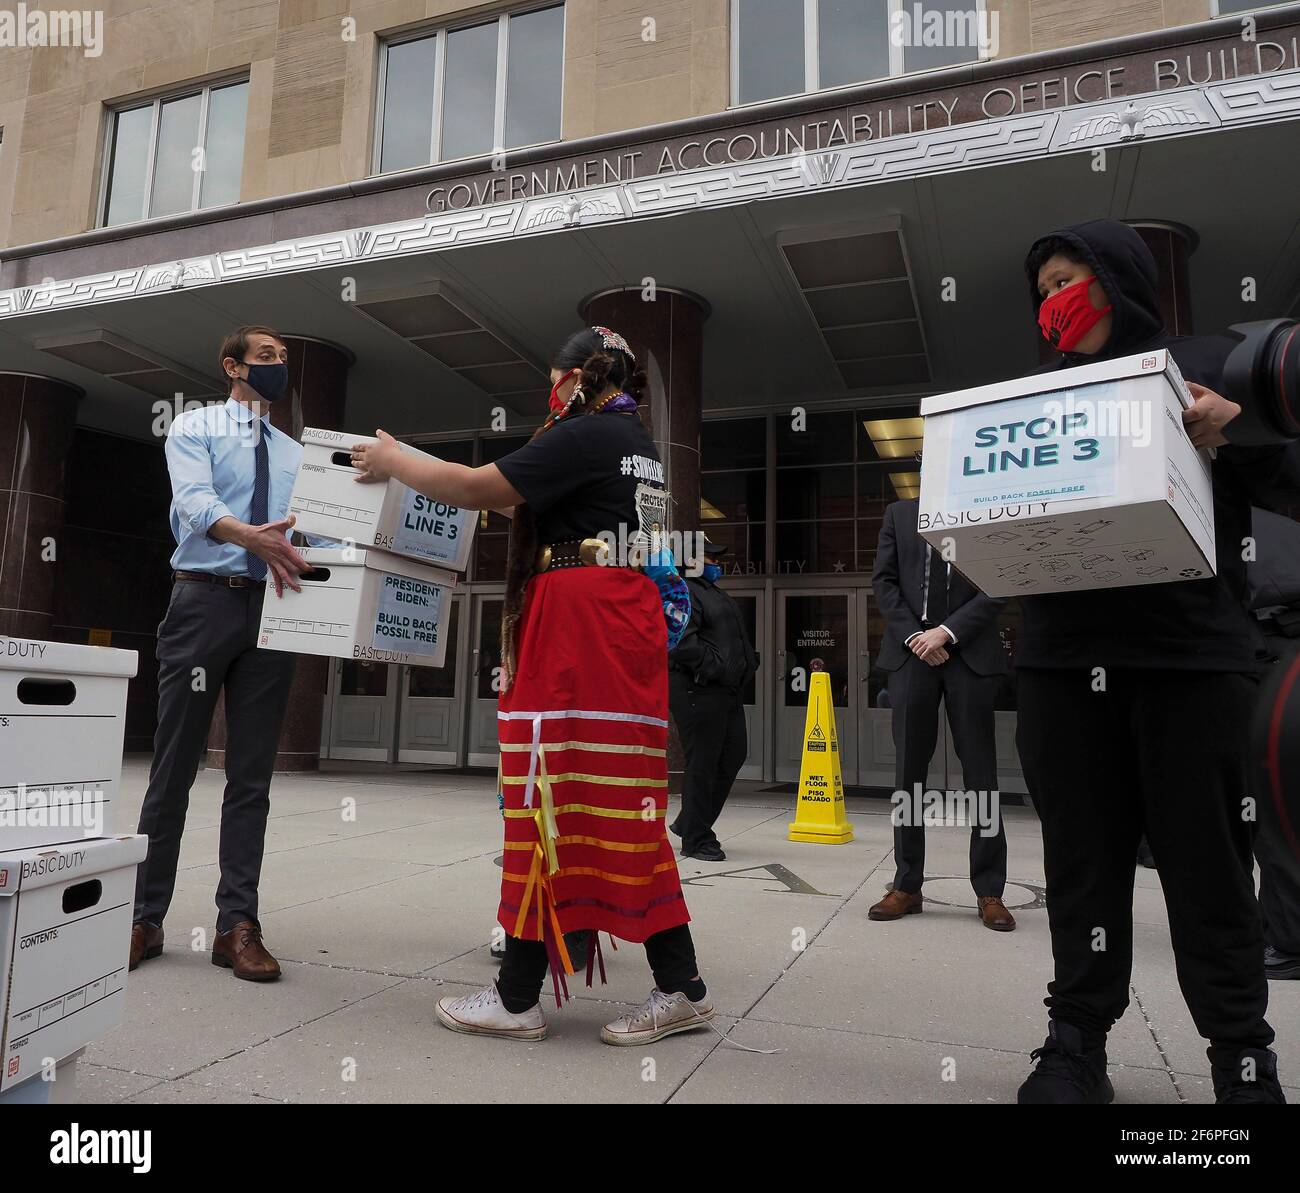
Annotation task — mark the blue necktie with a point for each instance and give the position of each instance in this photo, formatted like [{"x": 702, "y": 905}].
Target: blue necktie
[{"x": 261, "y": 489}]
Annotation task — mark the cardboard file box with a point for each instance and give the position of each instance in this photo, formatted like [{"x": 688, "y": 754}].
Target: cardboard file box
[
  {"x": 362, "y": 605},
  {"x": 1069, "y": 480},
  {"x": 327, "y": 501},
  {"x": 65, "y": 941},
  {"x": 62, "y": 720}
]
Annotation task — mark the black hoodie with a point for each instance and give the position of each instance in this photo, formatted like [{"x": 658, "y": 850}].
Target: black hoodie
[{"x": 1193, "y": 624}]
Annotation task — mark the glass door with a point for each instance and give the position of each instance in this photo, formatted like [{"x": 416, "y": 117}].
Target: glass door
[
  {"x": 875, "y": 718},
  {"x": 1011, "y": 778},
  {"x": 363, "y": 710},
  {"x": 752, "y": 696},
  {"x": 484, "y": 681},
  {"x": 431, "y": 725},
  {"x": 816, "y": 630}
]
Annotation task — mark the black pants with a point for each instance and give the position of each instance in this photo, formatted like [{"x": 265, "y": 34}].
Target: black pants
[
  {"x": 711, "y": 725},
  {"x": 915, "y": 691},
  {"x": 1163, "y": 751},
  {"x": 671, "y": 954},
  {"x": 207, "y": 642}
]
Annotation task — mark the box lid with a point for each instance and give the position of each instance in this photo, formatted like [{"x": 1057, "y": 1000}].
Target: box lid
[
  {"x": 25, "y": 869},
  {"x": 67, "y": 658},
  {"x": 318, "y": 436},
  {"x": 378, "y": 560},
  {"x": 1142, "y": 364}
]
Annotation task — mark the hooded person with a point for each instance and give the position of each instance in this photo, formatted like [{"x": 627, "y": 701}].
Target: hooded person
[{"x": 1135, "y": 706}]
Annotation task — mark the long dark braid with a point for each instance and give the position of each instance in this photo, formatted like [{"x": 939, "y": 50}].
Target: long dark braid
[{"x": 599, "y": 370}]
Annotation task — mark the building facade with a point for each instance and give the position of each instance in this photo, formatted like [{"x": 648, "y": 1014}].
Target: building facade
[{"x": 805, "y": 215}]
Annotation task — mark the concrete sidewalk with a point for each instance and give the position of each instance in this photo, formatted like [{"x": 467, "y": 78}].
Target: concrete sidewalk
[{"x": 375, "y": 917}]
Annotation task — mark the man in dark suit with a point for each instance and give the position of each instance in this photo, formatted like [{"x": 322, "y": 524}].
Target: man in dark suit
[{"x": 940, "y": 643}]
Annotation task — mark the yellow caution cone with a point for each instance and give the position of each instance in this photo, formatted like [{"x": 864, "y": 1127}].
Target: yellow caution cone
[{"x": 819, "y": 815}]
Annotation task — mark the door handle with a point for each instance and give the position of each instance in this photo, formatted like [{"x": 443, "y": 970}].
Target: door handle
[{"x": 475, "y": 652}]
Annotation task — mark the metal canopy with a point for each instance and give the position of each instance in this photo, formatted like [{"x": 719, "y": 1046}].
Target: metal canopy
[{"x": 961, "y": 237}]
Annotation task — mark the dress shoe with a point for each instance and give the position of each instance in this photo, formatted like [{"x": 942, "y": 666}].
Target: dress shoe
[
  {"x": 707, "y": 853},
  {"x": 242, "y": 950},
  {"x": 146, "y": 942},
  {"x": 994, "y": 914},
  {"x": 895, "y": 905},
  {"x": 1069, "y": 1071},
  {"x": 1250, "y": 1077}
]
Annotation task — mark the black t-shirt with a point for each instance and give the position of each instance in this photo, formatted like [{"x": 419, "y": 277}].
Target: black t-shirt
[{"x": 590, "y": 473}]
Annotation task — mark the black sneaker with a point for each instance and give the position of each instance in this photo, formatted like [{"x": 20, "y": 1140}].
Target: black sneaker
[
  {"x": 1067, "y": 1073},
  {"x": 1279, "y": 966},
  {"x": 707, "y": 853},
  {"x": 1252, "y": 1077}
]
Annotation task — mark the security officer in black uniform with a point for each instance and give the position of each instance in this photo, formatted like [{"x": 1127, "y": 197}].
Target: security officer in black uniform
[{"x": 707, "y": 671}]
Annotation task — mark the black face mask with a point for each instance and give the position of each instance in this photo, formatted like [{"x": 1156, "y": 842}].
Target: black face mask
[{"x": 268, "y": 381}]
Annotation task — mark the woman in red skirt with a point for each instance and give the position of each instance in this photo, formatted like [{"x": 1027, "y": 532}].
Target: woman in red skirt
[{"x": 583, "y": 714}]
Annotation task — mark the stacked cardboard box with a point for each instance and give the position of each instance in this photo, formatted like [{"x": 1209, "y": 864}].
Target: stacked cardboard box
[
  {"x": 67, "y": 882},
  {"x": 382, "y": 595}
]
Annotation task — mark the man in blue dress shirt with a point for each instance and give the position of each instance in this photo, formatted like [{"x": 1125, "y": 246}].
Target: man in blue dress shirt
[{"x": 231, "y": 475}]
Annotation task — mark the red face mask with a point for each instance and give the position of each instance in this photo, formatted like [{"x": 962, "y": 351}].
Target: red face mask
[
  {"x": 556, "y": 402},
  {"x": 1068, "y": 315}
]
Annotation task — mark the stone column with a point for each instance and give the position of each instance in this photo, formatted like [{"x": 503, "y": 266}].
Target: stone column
[
  {"x": 318, "y": 376},
  {"x": 1171, "y": 245},
  {"x": 667, "y": 337},
  {"x": 38, "y": 416}
]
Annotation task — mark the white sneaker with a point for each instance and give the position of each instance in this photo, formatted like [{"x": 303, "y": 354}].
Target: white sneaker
[
  {"x": 483, "y": 1014},
  {"x": 660, "y": 1015}
]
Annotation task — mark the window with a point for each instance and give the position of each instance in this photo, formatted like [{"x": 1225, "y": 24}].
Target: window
[
  {"x": 1226, "y": 7},
  {"x": 492, "y": 542},
  {"x": 787, "y": 47},
  {"x": 733, "y": 491},
  {"x": 470, "y": 91},
  {"x": 175, "y": 153}
]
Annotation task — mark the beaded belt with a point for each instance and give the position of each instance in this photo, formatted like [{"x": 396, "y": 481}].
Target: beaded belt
[{"x": 573, "y": 553}]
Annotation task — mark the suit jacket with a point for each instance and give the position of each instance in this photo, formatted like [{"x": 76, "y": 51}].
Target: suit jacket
[{"x": 898, "y": 580}]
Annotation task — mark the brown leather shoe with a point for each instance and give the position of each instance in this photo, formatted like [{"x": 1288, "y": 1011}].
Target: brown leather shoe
[
  {"x": 995, "y": 914},
  {"x": 146, "y": 943},
  {"x": 242, "y": 950},
  {"x": 895, "y": 905}
]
